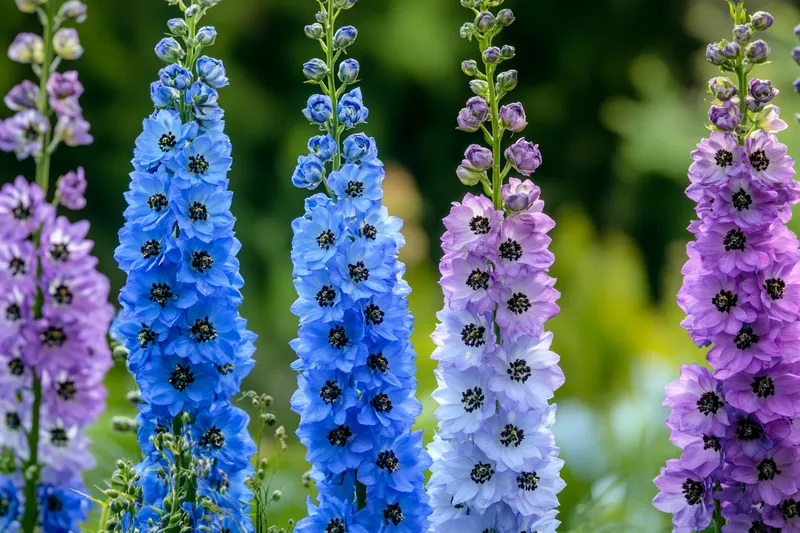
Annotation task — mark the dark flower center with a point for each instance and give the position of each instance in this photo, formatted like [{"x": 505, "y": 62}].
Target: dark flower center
[
  {"x": 330, "y": 392},
  {"x": 748, "y": 430},
  {"x": 146, "y": 336},
  {"x": 724, "y": 301},
  {"x": 13, "y": 313},
  {"x": 157, "y": 202},
  {"x": 337, "y": 337},
  {"x": 775, "y": 287},
  {"x": 693, "y": 491},
  {"x": 519, "y": 371},
  {"x": 518, "y": 303},
  {"x": 381, "y": 403},
  {"x": 202, "y": 261},
  {"x": 167, "y": 142},
  {"x": 326, "y": 239},
  {"x": 54, "y": 504},
  {"x": 53, "y": 337},
  {"x": 374, "y": 315},
  {"x": 767, "y": 470},
  {"x": 151, "y": 249},
  {"x": 339, "y": 436},
  {"x": 724, "y": 158},
  {"x": 17, "y": 266},
  {"x": 510, "y": 250},
  {"x": 31, "y": 133},
  {"x": 480, "y": 225},
  {"x": 358, "y": 272},
  {"x": 198, "y": 212},
  {"x": 709, "y": 403},
  {"x": 198, "y": 164},
  {"x": 181, "y": 378},
  {"x": 16, "y": 367},
  {"x": 355, "y": 189},
  {"x": 711, "y": 443},
  {"x": 745, "y": 338},
  {"x": 203, "y": 330},
  {"x": 482, "y": 473},
  {"x": 13, "y": 421},
  {"x": 22, "y": 211},
  {"x": 478, "y": 280},
  {"x": 326, "y": 296},
  {"x": 369, "y": 232},
  {"x": 758, "y": 527},
  {"x": 335, "y": 526},
  {"x": 225, "y": 369},
  {"x": 790, "y": 509},
  {"x": 741, "y": 200},
  {"x": 388, "y": 461},
  {"x": 161, "y": 293},
  {"x": 213, "y": 438},
  {"x": 763, "y": 386},
  {"x": 473, "y": 335},
  {"x": 734, "y": 240},
  {"x": 66, "y": 390},
  {"x": 5, "y": 505},
  {"x": 59, "y": 253},
  {"x": 528, "y": 481},
  {"x": 512, "y": 436},
  {"x": 62, "y": 295},
  {"x": 59, "y": 438},
  {"x": 378, "y": 362},
  {"x": 472, "y": 399},
  {"x": 759, "y": 160},
  {"x": 393, "y": 514}
]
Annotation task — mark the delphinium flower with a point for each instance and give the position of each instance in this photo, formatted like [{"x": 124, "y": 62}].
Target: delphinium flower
[
  {"x": 55, "y": 313},
  {"x": 734, "y": 423},
  {"x": 356, "y": 385},
  {"x": 495, "y": 463},
  {"x": 187, "y": 346}
]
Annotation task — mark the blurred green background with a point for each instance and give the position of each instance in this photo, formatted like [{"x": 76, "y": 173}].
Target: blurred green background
[{"x": 614, "y": 93}]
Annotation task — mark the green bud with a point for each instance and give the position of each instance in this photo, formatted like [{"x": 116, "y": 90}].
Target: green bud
[
  {"x": 178, "y": 27},
  {"x": 134, "y": 397},
  {"x": 276, "y": 495},
  {"x": 505, "y": 17},
  {"x": 321, "y": 16},
  {"x": 268, "y": 419},
  {"x": 120, "y": 354},
  {"x": 192, "y": 11},
  {"x": 468, "y": 30},
  {"x": 469, "y": 67},
  {"x": 485, "y": 21},
  {"x": 508, "y": 52},
  {"x": 480, "y": 87},
  {"x": 123, "y": 424},
  {"x": 314, "y": 31},
  {"x": 468, "y": 177},
  {"x": 507, "y": 81}
]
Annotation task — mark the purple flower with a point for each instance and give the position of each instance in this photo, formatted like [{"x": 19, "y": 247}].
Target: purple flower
[
  {"x": 785, "y": 516},
  {"x": 769, "y": 163},
  {"x": 747, "y": 435},
  {"x": 702, "y": 455},
  {"x": 697, "y": 403},
  {"x": 772, "y": 475},
  {"x": 524, "y": 157},
  {"x": 524, "y": 197},
  {"x": 733, "y": 250},
  {"x": 770, "y": 394},
  {"x": 715, "y": 159},
  {"x": 64, "y": 91},
  {"x": 64, "y": 247},
  {"x": 725, "y": 117},
  {"x": 778, "y": 290},
  {"x": 27, "y": 48},
  {"x": 67, "y": 44},
  {"x": 472, "y": 225},
  {"x": 24, "y": 133},
  {"x": 714, "y": 303},
  {"x": 22, "y": 209},
  {"x": 749, "y": 349},
  {"x": 525, "y": 302},
  {"x": 468, "y": 281},
  {"x": 521, "y": 244},
  {"x": 71, "y": 188},
  {"x": 744, "y": 203},
  {"x": 762, "y": 90},
  {"x": 23, "y": 96},
  {"x": 512, "y": 117},
  {"x": 515, "y": 438},
  {"x": 686, "y": 495},
  {"x": 478, "y": 158},
  {"x": 75, "y": 396},
  {"x": 73, "y": 131},
  {"x": 463, "y": 338},
  {"x": 476, "y": 113}
]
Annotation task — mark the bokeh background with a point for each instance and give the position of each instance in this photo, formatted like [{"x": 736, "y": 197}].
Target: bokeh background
[{"x": 614, "y": 92}]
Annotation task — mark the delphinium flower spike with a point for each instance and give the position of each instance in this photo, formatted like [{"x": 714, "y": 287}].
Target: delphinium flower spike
[
  {"x": 495, "y": 463},
  {"x": 189, "y": 349},
  {"x": 739, "y": 466},
  {"x": 356, "y": 395},
  {"x": 55, "y": 311}
]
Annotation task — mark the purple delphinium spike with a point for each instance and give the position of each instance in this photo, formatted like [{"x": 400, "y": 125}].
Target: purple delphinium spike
[
  {"x": 741, "y": 294},
  {"x": 496, "y": 466},
  {"x": 55, "y": 312}
]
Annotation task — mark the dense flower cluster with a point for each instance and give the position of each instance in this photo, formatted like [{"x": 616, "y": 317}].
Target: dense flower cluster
[
  {"x": 356, "y": 387},
  {"x": 741, "y": 294},
  {"x": 189, "y": 347},
  {"x": 496, "y": 466},
  {"x": 54, "y": 310}
]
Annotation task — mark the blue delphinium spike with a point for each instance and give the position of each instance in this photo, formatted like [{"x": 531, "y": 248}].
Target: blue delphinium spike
[
  {"x": 189, "y": 347},
  {"x": 356, "y": 395}
]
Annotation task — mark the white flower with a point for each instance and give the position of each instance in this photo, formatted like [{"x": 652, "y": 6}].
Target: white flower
[
  {"x": 462, "y": 338},
  {"x": 535, "y": 488},
  {"x": 465, "y": 401},
  {"x": 514, "y": 439}
]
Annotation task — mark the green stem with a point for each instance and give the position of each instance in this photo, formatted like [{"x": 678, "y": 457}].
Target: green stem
[
  {"x": 718, "y": 520},
  {"x": 103, "y": 519},
  {"x": 331, "y": 61},
  {"x": 31, "y": 468},
  {"x": 361, "y": 495},
  {"x": 43, "y": 162},
  {"x": 742, "y": 77},
  {"x": 497, "y": 134}
]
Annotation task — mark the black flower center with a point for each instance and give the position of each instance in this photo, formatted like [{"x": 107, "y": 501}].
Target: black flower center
[
  {"x": 734, "y": 240},
  {"x": 393, "y": 514},
  {"x": 745, "y": 338},
  {"x": 5, "y": 505},
  {"x": 512, "y": 436},
  {"x": 478, "y": 280},
  {"x": 518, "y": 303},
  {"x": 388, "y": 461},
  {"x": 326, "y": 296},
  {"x": 759, "y": 160},
  {"x": 355, "y": 189},
  {"x": 167, "y": 142},
  {"x": 775, "y": 287},
  {"x": 198, "y": 212},
  {"x": 381, "y": 403},
  {"x": 13, "y": 313},
  {"x": 724, "y": 158},
  {"x": 378, "y": 362},
  {"x": 724, "y": 301},
  {"x": 358, "y": 272},
  {"x": 790, "y": 509},
  {"x": 528, "y": 481},
  {"x": 510, "y": 250},
  {"x": 330, "y": 392},
  {"x": 741, "y": 200},
  {"x": 748, "y": 430},
  {"x": 519, "y": 371},
  {"x": 198, "y": 164},
  {"x": 66, "y": 390},
  {"x": 225, "y": 369},
  {"x": 709, "y": 403},
  {"x": 763, "y": 386},
  {"x": 16, "y": 367},
  {"x": 158, "y": 202},
  {"x": 54, "y": 504},
  {"x": 203, "y": 330},
  {"x": 369, "y": 232},
  {"x": 59, "y": 437},
  {"x": 202, "y": 261},
  {"x": 161, "y": 293},
  {"x": 693, "y": 491},
  {"x": 326, "y": 239},
  {"x": 59, "y": 253},
  {"x": 767, "y": 470},
  {"x": 335, "y": 526},
  {"x": 374, "y": 315},
  {"x": 711, "y": 443},
  {"x": 213, "y": 438},
  {"x": 472, "y": 399},
  {"x": 31, "y": 133},
  {"x": 340, "y": 436},
  {"x": 482, "y": 473},
  {"x": 13, "y": 421},
  {"x": 146, "y": 336},
  {"x": 151, "y": 249},
  {"x": 17, "y": 266},
  {"x": 758, "y": 527},
  {"x": 53, "y": 337},
  {"x": 22, "y": 211},
  {"x": 480, "y": 225},
  {"x": 181, "y": 377},
  {"x": 337, "y": 337},
  {"x": 473, "y": 335}
]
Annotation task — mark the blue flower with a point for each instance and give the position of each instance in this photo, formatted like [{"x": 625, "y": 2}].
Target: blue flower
[
  {"x": 318, "y": 237},
  {"x": 163, "y": 97},
  {"x": 385, "y": 317},
  {"x": 142, "y": 250},
  {"x": 149, "y": 199},
  {"x": 323, "y": 147},
  {"x": 221, "y": 433},
  {"x": 157, "y": 295},
  {"x": 397, "y": 464},
  {"x": 163, "y": 137},
  {"x": 351, "y": 109},
  {"x": 172, "y": 384},
  {"x": 324, "y": 395},
  {"x": 203, "y": 212},
  {"x": 9, "y": 495},
  {"x": 176, "y": 77},
  {"x": 385, "y": 364},
  {"x": 319, "y": 298},
  {"x": 386, "y": 409},
  {"x": 209, "y": 265},
  {"x": 212, "y": 72},
  {"x": 333, "y": 345},
  {"x": 333, "y": 515},
  {"x": 62, "y": 510},
  {"x": 204, "y": 102},
  {"x": 145, "y": 340},
  {"x": 319, "y": 109},
  {"x": 309, "y": 173},
  {"x": 362, "y": 270},
  {"x": 382, "y": 229},
  {"x": 359, "y": 148},
  {"x": 397, "y": 513},
  {"x": 337, "y": 447},
  {"x": 359, "y": 187},
  {"x": 210, "y": 334},
  {"x": 206, "y": 160}
]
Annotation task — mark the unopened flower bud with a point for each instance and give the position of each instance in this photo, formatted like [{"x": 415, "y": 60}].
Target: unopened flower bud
[
  {"x": 507, "y": 81},
  {"x": 73, "y": 10},
  {"x": 134, "y": 397},
  {"x": 192, "y": 11},
  {"x": 722, "y": 88},
  {"x": 714, "y": 54},
  {"x": 512, "y": 117},
  {"x": 753, "y": 104},
  {"x": 169, "y": 50},
  {"x": 796, "y": 55},
  {"x": 315, "y": 70},
  {"x": 505, "y": 17},
  {"x": 478, "y": 158},
  {"x": 731, "y": 50},
  {"x": 762, "y": 21},
  {"x": 344, "y": 37},
  {"x": 467, "y": 176},
  {"x": 120, "y": 353},
  {"x": 797, "y": 31},
  {"x": 268, "y": 419},
  {"x": 314, "y": 31},
  {"x": 476, "y": 113},
  {"x": 518, "y": 202},
  {"x": 762, "y": 90},
  {"x": 757, "y": 51},
  {"x": 485, "y": 21},
  {"x": 345, "y": 4},
  {"x": 207, "y": 35},
  {"x": 67, "y": 44},
  {"x": 471, "y": 4},
  {"x": 724, "y": 117},
  {"x": 349, "y": 70},
  {"x": 492, "y": 55},
  {"x": 797, "y": 85},
  {"x": 480, "y": 88},
  {"x": 467, "y": 30},
  {"x": 524, "y": 157},
  {"x": 276, "y": 495},
  {"x": 29, "y": 6},
  {"x": 27, "y": 48},
  {"x": 123, "y": 424},
  {"x": 177, "y": 27},
  {"x": 742, "y": 33},
  {"x": 470, "y": 67},
  {"x": 508, "y": 52}
]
